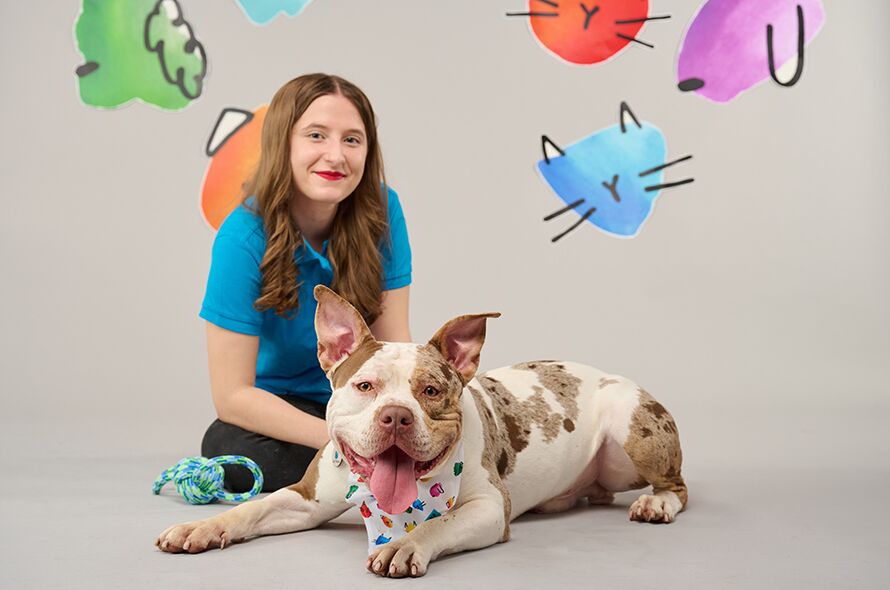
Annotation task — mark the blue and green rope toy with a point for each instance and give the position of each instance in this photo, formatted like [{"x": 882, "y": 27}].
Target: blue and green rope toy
[{"x": 200, "y": 480}]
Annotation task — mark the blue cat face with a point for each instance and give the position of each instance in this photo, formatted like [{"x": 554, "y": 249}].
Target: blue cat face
[{"x": 610, "y": 178}]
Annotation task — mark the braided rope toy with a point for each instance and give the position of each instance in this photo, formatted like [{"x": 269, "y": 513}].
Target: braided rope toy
[{"x": 200, "y": 480}]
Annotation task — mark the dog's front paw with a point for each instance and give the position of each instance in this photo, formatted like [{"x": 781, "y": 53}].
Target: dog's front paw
[
  {"x": 193, "y": 537},
  {"x": 652, "y": 509},
  {"x": 399, "y": 558}
]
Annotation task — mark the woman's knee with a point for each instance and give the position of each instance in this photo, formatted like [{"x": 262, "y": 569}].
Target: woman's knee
[{"x": 282, "y": 463}]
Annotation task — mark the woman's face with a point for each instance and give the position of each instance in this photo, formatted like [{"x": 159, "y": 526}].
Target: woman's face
[{"x": 328, "y": 150}]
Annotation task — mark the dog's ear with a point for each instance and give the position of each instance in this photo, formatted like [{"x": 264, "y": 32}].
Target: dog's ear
[
  {"x": 339, "y": 326},
  {"x": 460, "y": 341}
]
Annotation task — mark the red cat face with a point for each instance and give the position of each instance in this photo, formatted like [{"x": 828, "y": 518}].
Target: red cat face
[{"x": 587, "y": 32}]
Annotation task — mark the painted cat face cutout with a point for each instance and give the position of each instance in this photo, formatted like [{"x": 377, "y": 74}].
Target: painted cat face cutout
[
  {"x": 731, "y": 46},
  {"x": 138, "y": 50},
  {"x": 610, "y": 178},
  {"x": 234, "y": 151},
  {"x": 587, "y": 32}
]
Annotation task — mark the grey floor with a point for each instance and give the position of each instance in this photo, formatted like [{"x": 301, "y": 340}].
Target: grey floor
[{"x": 785, "y": 497}]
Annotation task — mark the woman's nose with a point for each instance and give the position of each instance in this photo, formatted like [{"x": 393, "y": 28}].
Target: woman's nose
[{"x": 334, "y": 153}]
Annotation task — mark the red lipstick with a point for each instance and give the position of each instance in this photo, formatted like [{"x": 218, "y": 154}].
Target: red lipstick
[{"x": 330, "y": 175}]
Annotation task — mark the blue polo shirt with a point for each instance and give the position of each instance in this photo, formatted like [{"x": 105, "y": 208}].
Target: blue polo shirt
[{"x": 287, "y": 363}]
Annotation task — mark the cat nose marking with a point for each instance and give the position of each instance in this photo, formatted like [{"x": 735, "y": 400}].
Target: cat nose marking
[
  {"x": 588, "y": 12},
  {"x": 691, "y": 84},
  {"x": 613, "y": 188}
]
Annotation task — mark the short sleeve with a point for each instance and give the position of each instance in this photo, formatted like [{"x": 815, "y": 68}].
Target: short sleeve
[
  {"x": 233, "y": 286},
  {"x": 397, "y": 254}
]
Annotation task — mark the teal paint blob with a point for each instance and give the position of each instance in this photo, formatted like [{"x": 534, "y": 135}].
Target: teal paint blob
[{"x": 262, "y": 12}]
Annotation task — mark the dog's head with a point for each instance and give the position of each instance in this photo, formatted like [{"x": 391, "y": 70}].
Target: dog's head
[{"x": 395, "y": 412}]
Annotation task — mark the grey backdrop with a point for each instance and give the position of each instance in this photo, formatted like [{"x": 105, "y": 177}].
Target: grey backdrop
[{"x": 753, "y": 304}]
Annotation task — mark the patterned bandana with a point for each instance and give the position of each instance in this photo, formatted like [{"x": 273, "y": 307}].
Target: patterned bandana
[{"x": 436, "y": 495}]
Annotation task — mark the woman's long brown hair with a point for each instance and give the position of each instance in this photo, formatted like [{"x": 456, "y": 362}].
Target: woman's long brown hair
[{"x": 360, "y": 222}]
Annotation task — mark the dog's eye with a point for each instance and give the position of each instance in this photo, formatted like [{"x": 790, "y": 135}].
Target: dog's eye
[
  {"x": 364, "y": 386},
  {"x": 431, "y": 391}
]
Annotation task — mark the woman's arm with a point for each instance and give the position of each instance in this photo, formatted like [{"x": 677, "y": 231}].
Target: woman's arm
[
  {"x": 232, "y": 361},
  {"x": 392, "y": 324}
]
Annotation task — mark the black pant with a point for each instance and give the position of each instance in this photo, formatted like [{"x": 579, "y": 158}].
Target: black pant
[{"x": 283, "y": 463}]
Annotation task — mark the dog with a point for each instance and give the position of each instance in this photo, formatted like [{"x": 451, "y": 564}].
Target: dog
[{"x": 538, "y": 436}]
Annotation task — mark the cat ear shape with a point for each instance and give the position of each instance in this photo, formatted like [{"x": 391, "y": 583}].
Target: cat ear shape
[
  {"x": 622, "y": 117},
  {"x": 801, "y": 39},
  {"x": 546, "y": 140},
  {"x": 229, "y": 122}
]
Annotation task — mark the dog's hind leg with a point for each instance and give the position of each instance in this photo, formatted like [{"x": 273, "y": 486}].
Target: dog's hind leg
[
  {"x": 559, "y": 504},
  {"x": 316, "y": 499},
  {"x": 597, "y": 495},
  {"x": 653, "y": 446}
]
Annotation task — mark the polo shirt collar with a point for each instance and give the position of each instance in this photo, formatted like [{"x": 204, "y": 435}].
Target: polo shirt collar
[{"x": 309, "y": 253}]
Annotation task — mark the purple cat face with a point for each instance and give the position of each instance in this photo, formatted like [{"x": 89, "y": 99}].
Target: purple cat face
[{"x": 733, "y": 45}]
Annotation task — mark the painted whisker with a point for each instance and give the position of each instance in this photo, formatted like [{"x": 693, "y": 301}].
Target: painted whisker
[
  {"x": 641, "y": 20},
  {"x": 658, "y": 187},
  {"x": 584, "y": 217},
  {"x": 635, "y": 40},
  {"x": 532, "y": 14},
  {"x": 564, "y": 209},
  {"x": 665, "y": 165},
  {"x": 549, "y": 3}
]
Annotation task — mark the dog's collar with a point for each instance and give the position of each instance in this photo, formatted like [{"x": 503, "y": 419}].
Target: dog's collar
[{"x": 435, "y": 496}]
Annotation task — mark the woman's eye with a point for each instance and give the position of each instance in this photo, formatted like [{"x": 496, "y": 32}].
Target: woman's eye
[
  {"x": 315, "y": 135},
  {"x": 431, "y": 391},
  {"x": 364, "y": 386},
  {"x": 353, "y": 140}
]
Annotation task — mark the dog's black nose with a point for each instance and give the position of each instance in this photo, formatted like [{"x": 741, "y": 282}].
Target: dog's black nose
[
  {"x": 691, "y": 84},
  {"x": 395, "y": 416}
]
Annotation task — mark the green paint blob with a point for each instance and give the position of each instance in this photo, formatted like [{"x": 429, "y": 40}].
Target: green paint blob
[{"x": 138, "y": 49}]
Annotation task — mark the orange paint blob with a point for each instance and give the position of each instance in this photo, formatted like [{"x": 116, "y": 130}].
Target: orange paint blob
[
  {"x": 229, "y": 169},
  {"x": 587, "y": 32}
]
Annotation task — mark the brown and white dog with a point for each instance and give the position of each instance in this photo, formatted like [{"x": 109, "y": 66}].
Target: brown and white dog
[{"x": 536, "y": 436}]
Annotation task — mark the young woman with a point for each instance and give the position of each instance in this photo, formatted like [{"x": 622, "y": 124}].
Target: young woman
[{"x": 317, "y": 211}]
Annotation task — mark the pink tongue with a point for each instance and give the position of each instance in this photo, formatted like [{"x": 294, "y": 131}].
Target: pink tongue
[{"x": 392, "y": 481}]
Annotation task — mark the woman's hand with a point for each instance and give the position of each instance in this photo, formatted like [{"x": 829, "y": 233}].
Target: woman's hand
[{"x": 232, "y": 362}]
